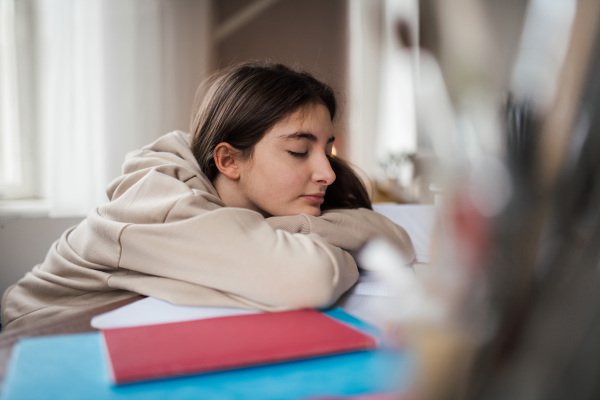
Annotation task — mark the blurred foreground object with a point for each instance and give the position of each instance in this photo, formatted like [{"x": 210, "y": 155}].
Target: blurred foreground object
[{"x": 518, "y": 244}]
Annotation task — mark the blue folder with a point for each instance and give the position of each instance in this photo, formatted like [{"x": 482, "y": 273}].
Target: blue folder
[{"x": 73, "y": 367}]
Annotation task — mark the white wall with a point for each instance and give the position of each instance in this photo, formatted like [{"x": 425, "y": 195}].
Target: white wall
[
  {"x": 310, "y": 34},
  {"x": 24, "y": 243}
]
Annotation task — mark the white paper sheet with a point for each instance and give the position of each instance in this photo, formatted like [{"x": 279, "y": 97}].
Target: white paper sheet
[
  {"x": 417, "y": 219},
  {"x": 151, "y": 311},
  {"x": 367, "y": 300}
]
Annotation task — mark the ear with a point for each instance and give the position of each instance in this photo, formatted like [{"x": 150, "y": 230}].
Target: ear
[{"x": 225, "y": 157}]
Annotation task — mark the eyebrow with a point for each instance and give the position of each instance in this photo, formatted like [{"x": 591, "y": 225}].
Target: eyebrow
[{"x": 305, "y": 135}]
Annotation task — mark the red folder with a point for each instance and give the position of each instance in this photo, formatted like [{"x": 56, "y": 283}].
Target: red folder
[{"x": 183, "y": 348}]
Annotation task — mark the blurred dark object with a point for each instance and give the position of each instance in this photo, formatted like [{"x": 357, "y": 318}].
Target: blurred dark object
[
  {"x": 522, "y": 137},
  {"x": 543, "y": 270}
]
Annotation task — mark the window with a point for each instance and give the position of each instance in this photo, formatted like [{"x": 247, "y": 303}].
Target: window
[
  {"x": 82, "y": 84},
  {"x": 382, "y": 74}
]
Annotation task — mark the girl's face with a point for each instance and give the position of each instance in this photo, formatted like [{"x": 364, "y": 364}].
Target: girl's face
[{"x": 289, "y": 171}]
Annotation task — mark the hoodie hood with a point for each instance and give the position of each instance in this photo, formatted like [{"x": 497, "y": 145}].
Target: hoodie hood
[{"x": 171, "y": 155}]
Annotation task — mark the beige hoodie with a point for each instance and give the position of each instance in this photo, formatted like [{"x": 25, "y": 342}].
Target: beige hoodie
[{"x": 166, "y": 233}]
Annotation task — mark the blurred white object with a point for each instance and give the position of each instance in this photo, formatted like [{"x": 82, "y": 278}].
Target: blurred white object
[
  {"x": 152, "y": 311},
  {"x": 417, "y": 219},
  {"x": 545, "y": 40},
  {"x": 389, "y": 275}
]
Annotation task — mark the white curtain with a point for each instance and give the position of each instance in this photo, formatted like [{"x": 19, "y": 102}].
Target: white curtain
[
  {"x": 11, "y": 156},
  {"x": 110, "y": 76},
  {"x": 382, "y": 112}
]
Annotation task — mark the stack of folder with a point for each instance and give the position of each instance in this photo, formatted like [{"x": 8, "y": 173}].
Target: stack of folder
[{"x": 300, "y": 354}]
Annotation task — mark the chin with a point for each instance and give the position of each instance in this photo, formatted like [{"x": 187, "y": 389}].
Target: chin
[{"x": 315, "y": 212}]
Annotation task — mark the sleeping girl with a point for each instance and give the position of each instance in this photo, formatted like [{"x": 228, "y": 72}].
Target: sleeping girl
[{"x": 250, "y": 209}]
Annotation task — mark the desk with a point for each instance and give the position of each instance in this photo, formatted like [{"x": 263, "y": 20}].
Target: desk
[
  {"x": 72, "y": 367},
  {"x": 364, "y": 307},
  {"x": 367, "y": 308}
]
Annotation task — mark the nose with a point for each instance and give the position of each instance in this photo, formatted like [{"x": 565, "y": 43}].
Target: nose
[{"x": 323, "y": 174}]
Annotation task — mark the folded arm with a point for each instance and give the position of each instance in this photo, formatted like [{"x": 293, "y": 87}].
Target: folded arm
[
  {"x": 237, "y": 252},
  {"x": 349, "y": 229}
]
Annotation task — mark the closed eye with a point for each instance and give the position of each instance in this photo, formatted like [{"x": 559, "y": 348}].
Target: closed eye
[{"x": 299, "y": 155}]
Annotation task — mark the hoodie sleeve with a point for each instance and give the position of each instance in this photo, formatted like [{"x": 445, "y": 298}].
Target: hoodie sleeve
[
  {"x": 349, "y": 229},
  {"x": 235, "y": 251}
]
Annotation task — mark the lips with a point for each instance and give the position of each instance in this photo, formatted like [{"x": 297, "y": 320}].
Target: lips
[{"x": 315, "y": 198}]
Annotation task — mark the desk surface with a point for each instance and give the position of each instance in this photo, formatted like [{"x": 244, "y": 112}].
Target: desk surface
[
  {"x": 82, "y": 374},
  {"x": 369, "y": 308}
]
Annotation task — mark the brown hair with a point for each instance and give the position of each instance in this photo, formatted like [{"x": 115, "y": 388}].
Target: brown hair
[{"x": 241, "y": 103}]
